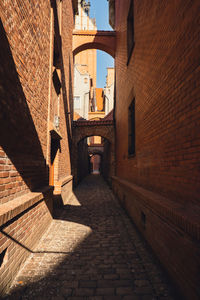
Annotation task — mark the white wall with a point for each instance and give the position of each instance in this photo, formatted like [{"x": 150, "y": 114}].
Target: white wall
[{"x": 81, "y": 90}]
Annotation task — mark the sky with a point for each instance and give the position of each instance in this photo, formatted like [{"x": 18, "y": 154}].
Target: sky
[{"x": 99, "y": 11}]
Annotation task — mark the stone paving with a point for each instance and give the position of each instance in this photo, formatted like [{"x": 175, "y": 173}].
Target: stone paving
[{"x": 91, "y": 251}]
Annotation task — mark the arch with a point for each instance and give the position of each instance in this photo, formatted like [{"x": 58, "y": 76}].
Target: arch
[
  {"x": 96, "y": 119},
  {"x": 90, "y": 135},
  {"x": 85, "y": 129},
  {"x": 92, "y": 153},
  {"x": 94, "y": 45},
  {"x": 83, "y": 134},
  {"x": 89, "y": 39},
  {"x": 99, "y": 149}
]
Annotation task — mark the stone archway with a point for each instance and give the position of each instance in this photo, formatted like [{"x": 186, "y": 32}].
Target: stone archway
[
  {"x": 90, "y": 39},
  {"x": 84, "y": 129}
]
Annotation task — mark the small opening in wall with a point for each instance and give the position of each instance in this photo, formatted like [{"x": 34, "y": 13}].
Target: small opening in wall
[
  {"x": 3, "y": 257},
  {"x": 143, "y": 219}
]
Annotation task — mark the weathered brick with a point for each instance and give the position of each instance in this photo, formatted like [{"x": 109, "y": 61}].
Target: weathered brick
[
  {"x": 161, "y": 76},
  {"x": 105, "y": 291},
  {"x": 27, "y": 110}
]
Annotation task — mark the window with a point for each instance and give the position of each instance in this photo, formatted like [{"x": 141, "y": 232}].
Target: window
[
  {"x": 56, "y": 52},
  {"x": 57, "y": 37},
  {"x": 130, "y": 32},
  {"x": 77, "y": 102},
  {"x": 131, "y": 128},
  {"x": 56, "y": 82}
]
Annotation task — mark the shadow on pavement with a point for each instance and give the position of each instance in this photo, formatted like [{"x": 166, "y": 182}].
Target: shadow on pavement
[{"x": 88, "y": 253}]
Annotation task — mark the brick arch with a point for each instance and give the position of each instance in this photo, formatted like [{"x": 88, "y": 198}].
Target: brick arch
[
  {"x": 100, "y": 153},
  {"x": 94, "y": 46},
  {"x": 84, "y": 129},
  {"x": 95, "y": 152},
  {"x": 88, "y": 39},
  {"x": 83, "y": 135}
]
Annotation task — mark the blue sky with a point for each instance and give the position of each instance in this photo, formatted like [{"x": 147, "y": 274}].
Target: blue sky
[{"x": 99, "y": 11}]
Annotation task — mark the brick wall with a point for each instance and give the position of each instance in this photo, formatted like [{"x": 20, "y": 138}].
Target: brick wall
[
  {"x": 104, "y": 129},
  {"x": 90, "y": 39},
  {"x": 67, "y": 89},
  {"x": 19, "y": 236},
  {"x": 162, "y": 75},
  {"x": 24, "y": 55},
  {"x": 62, "y": 19},
  {"x": 28, "y": 105}
]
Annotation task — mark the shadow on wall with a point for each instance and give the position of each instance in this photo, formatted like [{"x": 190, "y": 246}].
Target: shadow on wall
[
  {"x": 18, "y": 136},
  {"x": 83, "y": 163}
]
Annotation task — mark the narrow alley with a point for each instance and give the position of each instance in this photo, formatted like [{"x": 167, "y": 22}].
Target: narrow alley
[
  {"x": 99, "y": 149},
  {"x": 91, "y": 251}
]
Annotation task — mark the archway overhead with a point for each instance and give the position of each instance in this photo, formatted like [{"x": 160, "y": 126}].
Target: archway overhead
[
  {"x": 92, "y": 153},
  {"x": 89, "y": 39},
  {"x": 103, "y": 128},
  {"x": 89, "y": 135}
]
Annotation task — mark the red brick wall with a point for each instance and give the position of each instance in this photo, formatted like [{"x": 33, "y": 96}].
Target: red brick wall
[
  {"x": 163, "y": 76},
  {"x": 24, "y": 55},
  {"x": 67, "y": 89},
  {"x": 19, "y": 237},
  {"x": 24, "y": 77},
  {"x": 27, "y": 108}
]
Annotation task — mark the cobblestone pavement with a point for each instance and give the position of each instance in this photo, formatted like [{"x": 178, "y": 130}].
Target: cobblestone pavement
[{"x": 91, "y": 251}]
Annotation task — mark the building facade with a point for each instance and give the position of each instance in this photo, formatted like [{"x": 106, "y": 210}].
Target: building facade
[
  {"x": 84, "y": 62},
  {"x": 36, "y": 77},
  {"x": 157, "y": 117},
  {"x": 87, "y": 61},
  {"x": 108, "y": 91},
  {"x": 82, "y": 91},
  {"x": 84, "y": 22}
]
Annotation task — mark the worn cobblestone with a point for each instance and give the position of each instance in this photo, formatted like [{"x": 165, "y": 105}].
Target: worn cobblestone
[{"x": 91, "y": 251}]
